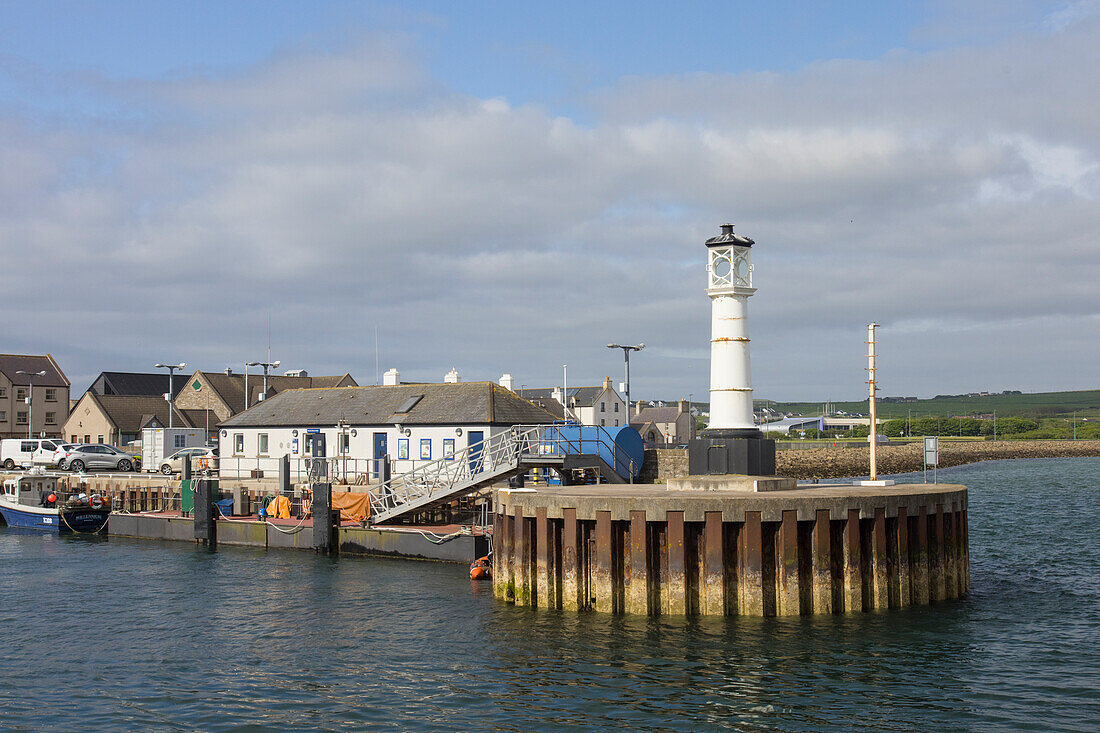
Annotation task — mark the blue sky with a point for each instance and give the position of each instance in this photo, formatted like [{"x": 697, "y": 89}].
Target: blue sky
[{"x": 450, "y": 174}]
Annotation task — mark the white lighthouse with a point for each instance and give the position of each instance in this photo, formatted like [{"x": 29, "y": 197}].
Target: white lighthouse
[{"x": 729, "y": 285}]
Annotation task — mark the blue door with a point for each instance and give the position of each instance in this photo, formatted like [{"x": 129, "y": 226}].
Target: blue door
[
  {"x": 379, "y": 454},
  {"x": 474, "y": 439}
]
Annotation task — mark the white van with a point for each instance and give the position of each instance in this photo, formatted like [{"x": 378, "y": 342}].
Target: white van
[{"x": 19, "y": 452}]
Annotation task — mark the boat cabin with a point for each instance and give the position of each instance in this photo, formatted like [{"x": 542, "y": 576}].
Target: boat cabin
[{"x": 29, "y": 490}]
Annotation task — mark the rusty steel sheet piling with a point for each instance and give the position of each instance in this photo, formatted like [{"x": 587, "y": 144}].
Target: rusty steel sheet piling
[{"x": 655, "y": 551}]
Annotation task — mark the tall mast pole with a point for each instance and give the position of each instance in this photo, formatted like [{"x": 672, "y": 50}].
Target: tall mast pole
[{"x": 871, "y": 396}]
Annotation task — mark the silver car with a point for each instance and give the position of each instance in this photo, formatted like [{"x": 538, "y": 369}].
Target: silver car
[{"x": 83, "y": 457}]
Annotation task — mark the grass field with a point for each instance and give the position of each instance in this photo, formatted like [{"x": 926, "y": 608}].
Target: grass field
[{"x": 1085, "y": 403}]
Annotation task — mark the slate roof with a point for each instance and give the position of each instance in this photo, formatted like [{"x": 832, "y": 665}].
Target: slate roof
[
  {"x": 231, "y": 386},
  {"x": 655, "y": 414},
  {"x": 130, "y": 412},
  {"x": 463, "y": 403},
  {"x": 12, "y": 363},
  {"x": 578, "y": 396},
  {"x": 134, "y": 383}
]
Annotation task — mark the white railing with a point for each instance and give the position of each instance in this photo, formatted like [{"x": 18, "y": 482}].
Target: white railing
[{"x": 491, "y": 460}]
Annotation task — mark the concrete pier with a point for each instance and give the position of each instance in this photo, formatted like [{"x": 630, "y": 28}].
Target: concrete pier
[{"x": 714, "y": 552}]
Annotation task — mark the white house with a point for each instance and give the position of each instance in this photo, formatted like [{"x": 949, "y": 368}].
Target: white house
[
  {"x": 410, "y": 424},
  {"x": 587, "y": 405}
]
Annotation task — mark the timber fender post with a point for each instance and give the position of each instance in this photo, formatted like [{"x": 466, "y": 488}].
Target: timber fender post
[
  {"x": 687, "y": 551},
  {"x": 206, "y": 524},
  {"x": 324, "y": 532}
]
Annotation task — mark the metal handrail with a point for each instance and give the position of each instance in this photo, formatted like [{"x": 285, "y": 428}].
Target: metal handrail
[{"x": 500, "y": 454}]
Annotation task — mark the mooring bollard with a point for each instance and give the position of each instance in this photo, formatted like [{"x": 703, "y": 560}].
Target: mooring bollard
[
  {"x": 206, "y": 526},
  {"x": 324, "y": 524}
]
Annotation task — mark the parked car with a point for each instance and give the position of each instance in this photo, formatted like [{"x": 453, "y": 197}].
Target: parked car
[
  {"x": 55, "y": 458},
  {"x": 20, "y": 451},
  {"x": 83, "y": 457},
  {"x": 204, "y": 460}
]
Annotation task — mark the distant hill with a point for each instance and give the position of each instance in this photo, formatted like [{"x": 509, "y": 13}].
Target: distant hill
[{"x": 1085, "y": 403}]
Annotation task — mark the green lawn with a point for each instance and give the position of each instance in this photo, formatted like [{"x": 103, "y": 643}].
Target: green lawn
[{"x": 1086, "y": 403}]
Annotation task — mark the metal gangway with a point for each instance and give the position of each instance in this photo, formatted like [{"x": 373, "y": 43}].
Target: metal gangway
[{"x": 497, "y": 459}]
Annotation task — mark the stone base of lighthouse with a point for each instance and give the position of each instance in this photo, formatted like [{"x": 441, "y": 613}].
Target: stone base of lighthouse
[
  {"x": 731, "y": 451},
  {"x": 731, "y": 546}
]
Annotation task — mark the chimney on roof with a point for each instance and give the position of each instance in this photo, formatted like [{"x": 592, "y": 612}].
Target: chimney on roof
[
  {"x": 229, "y": 371},
  {"x": 607, "y": 382},
  {"x": 508, "y": 382},
  {"x": 391, "y": 378},
  {"x": 452, "y": 377}
]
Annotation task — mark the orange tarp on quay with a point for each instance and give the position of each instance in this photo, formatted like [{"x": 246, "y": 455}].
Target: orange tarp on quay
[{"x": 353, "y": 506}]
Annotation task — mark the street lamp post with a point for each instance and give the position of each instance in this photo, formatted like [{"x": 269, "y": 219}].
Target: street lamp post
[
  {"x": 626, "y": 358},
  {"x": 30, "y": 397},
  {"x": 266, "y": 365},
  {"x": 171, "y": 393}
]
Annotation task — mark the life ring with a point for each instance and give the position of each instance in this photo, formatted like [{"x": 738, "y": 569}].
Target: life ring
[{"x": 96, "y": 502}]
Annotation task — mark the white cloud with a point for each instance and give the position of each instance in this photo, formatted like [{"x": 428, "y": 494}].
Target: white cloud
[{"x": 950, "y": 197}]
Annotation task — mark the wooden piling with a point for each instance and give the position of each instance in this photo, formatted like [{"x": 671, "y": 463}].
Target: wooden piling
[{"x": 762, "y": 558}]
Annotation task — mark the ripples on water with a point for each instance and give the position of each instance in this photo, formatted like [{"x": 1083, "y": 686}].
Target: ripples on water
[{"x": 141, "y": 635}]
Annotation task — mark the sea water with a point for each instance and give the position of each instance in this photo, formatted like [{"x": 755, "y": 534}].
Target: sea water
[{"x": 139, "y": 635}]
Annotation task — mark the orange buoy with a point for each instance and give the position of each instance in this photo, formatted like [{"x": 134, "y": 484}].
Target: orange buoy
[
  {"x": 481, "y": 569},
  {"x": 51, "y": 498}
]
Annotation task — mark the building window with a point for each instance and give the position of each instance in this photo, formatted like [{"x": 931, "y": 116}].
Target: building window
[
  {"x": 51, "y": 418},
  {"x": 345, "y": 443},
  {"x": 179, "y": 441},
  {"x": 100, "y": 441},
  {"x": 87, "y": 439},
  {"x": 238, "y": 444},
  {"x": 51, "y": 394},
  {"x": 21, "y": 393},
  {"x": 3, "y": 416},
  {"x": 603, "y": 407},
  {"x": 3, "y": 392},
  {"x": 616, "y": 422},
  {"x": 616, "y": 407},
  {"x": 263, "y": 444},
  {"x": 603, "y": 422},
  {"x": 21, "y": 418}
]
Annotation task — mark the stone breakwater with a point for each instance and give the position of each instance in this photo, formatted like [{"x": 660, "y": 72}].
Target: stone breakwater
[{"x": 841, "y": 461}]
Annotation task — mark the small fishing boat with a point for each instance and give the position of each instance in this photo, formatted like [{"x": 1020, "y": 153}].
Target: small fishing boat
[{"x": 35, "y": 502}]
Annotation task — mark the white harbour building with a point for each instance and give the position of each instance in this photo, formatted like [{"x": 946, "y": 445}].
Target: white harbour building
[{"x": 357, "y": 427}]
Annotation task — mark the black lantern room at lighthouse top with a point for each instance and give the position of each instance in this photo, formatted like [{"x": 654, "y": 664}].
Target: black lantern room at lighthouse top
[{"x": 729, "y": 264}]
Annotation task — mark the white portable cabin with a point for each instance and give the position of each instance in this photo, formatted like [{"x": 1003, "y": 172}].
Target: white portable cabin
[{"x": 159, "y": 443}]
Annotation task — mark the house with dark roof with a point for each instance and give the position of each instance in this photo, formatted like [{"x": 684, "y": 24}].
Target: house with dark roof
[
  {"x": 134, "y": 383},
  {"x": 410, "y": 424},
  {"x": 224, "y": 393},
  {"x": 49, "y": 396},
  {"x": 665, "y": 425},
  {"x": 587, "y": 405},
  {"x": 119, "y": 419}
]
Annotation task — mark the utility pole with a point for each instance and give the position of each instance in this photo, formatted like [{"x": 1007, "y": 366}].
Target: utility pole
[
  {"x": 171, "y": 394},
  {"x": 30, "y": 397},
  {"x": 626, "y": 359},
  {"x": 266, "y": 365}
]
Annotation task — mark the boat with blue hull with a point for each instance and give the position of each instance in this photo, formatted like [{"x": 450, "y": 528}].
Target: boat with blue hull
[{"x": 34, "y": 502}]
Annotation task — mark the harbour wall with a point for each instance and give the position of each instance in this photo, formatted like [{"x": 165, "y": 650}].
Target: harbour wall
[
  {"x": 367, "y": 541},
  {"x": 846, "y": 459},
  {"x": 777, "y": 553}
]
